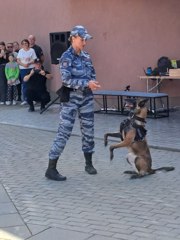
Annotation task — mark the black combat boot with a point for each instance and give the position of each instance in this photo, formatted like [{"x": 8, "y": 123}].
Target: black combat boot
[
  {"x": 42, "y": 106},
  {"x": 89, "y": 167},
  {"x": 52, "y": 172},
  {"x": 31, "y": 108}
]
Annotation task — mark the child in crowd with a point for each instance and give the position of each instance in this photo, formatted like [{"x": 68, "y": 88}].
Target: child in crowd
[{"x": 12, "y": 75}]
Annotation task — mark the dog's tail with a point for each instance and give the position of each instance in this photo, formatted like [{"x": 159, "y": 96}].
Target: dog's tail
[
  {"x": 166, "y": 169},
  {"x": 135, "y": 175}
]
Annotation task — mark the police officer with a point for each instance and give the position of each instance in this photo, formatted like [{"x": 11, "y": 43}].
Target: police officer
[{"x": 78, "y": 75}]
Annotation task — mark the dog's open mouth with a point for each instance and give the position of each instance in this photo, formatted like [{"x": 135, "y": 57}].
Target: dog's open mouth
[{"x": 130, "y": 103}]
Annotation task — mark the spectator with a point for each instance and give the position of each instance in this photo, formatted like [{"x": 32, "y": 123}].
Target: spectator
[
  {"x": 12, "y": 75},
  {"x": 10, "y": 49},
  {"x": 37, "y": 48},
  {"x": 15, "y": 52},
  {"x": 25, "y": 59},
  {"x": 36, "y": 86},
  {"x": 3, "y": 80},
  {"x": 16, "y": 47}
]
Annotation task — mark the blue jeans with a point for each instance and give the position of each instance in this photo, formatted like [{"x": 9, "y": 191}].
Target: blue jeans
[{"x": 23, "y": 73}]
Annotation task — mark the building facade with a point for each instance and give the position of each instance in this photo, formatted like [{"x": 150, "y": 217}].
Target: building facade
[{"x": 129, "y": 35}]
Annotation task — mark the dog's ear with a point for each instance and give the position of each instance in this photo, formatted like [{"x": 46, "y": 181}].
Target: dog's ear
[{"x": 142, "y": 102}]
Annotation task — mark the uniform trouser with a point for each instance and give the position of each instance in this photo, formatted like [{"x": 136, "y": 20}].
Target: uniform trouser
[
  {"x": 3, "y": 83},
  {"x": 84, "y": 106}
]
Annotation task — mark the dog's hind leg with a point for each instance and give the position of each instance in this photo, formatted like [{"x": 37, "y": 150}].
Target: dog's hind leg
[
  {"x": 135, "y": 176},
  {"x": 142, "y": 174},
  {"x": 116, "y": 135},
  {"x": 131, "y": 158}
]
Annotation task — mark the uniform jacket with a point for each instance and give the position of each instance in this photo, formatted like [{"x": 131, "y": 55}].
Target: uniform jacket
[{"x": 76, "y": 70}]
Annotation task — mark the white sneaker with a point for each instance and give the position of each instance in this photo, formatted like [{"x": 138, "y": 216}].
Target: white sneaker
[
  {"x": 14, "y": 102},
  {"x": 8, "y": 103},
  {"x": 1, "y": 103},
  {"x": 23, "y": 103}
]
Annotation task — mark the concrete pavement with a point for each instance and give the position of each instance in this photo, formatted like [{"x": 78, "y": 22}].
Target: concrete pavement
[{"x": 107, "y": 206}]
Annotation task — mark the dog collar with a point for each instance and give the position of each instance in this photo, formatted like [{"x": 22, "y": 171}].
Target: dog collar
[{"x": 139, "y": 119}]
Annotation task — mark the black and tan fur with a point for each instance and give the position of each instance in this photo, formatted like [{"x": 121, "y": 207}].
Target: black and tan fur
[{"x": 133, "y": 136}]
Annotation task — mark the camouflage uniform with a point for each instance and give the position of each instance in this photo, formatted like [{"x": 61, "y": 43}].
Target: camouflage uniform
[{"x": 76, "y": 71}]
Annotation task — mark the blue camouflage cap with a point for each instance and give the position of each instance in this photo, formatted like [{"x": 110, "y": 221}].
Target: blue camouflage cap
[{"x": 81, "y": 32}]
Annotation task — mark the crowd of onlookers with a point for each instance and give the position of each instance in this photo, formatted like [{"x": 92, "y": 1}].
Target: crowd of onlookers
[{"x": 16, "y": 62}]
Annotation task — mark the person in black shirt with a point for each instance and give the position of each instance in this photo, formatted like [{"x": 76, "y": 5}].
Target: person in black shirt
[
  {"x": 38, "y": 50},
  {"x": 36, "y": 86},
  {"x": 3, "y": 81}
]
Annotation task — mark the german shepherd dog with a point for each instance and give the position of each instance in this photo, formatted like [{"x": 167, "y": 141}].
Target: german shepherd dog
[{"x": 133, "y": 136}]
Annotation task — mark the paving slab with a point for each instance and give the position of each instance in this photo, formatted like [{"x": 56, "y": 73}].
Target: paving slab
[
  {"x": 98, "y": 237},
  {"x": 6, "y": 235},
  {"x": 8, "y": 220},
  {"x": 57, "y": 234},
  {"x": 164, "y": 128},
  {"x": 36, "y": 228},
  {"x": 3, "y": 195},
  {"x": 13, "y": 233},
  {"x": 107, "y": 206},
  {"x": 7, "y": 207}
]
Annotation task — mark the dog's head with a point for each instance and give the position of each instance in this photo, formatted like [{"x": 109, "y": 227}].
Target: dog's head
[
  {"x": 141, "y": 108},
  {"x": 130, "y": 103},
  {"x": 135, "y": 106}
]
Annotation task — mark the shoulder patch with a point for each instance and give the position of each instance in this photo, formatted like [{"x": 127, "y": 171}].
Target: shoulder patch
[{"x": 65, "y": 63}]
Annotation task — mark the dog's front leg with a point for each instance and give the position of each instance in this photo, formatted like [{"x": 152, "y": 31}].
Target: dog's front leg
[
  {"x": 111, "y": 149},
  {"x": 125, "y": 143},
  {"x": 116, "y": 134},
  {"x": 105, "y": 139}
]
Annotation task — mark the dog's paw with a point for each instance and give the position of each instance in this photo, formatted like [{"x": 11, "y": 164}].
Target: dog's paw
[
  {"x": 135, "y": 176},
  {"x": 111, "y": 153},
  {"x": 111, "y": 156},
  {"x": 105, "y": 140}
]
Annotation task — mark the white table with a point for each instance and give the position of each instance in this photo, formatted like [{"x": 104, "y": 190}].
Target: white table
[{"x": 158, "y": 80}]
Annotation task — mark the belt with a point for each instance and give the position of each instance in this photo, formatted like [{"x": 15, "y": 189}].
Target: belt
[{"x": 84, "y": 91}]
